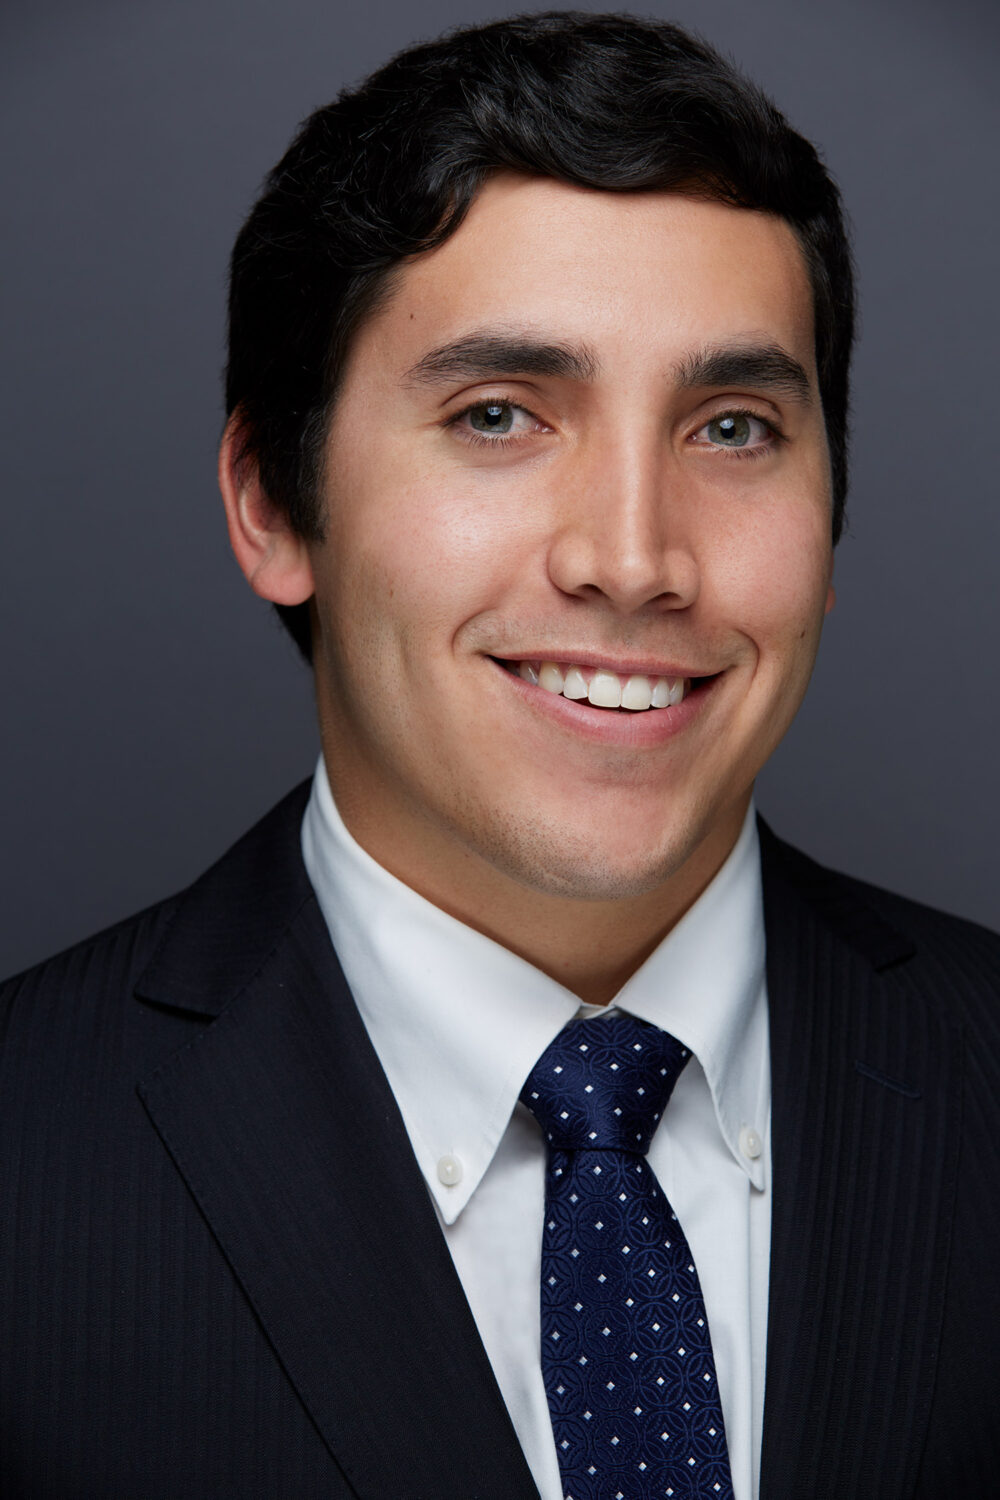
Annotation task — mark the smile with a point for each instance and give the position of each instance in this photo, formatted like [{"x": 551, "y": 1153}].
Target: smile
[{"x": 635, "y": 692}]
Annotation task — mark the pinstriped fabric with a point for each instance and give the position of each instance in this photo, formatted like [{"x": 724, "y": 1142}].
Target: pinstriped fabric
[
  {"x": 214, "y": 1320},
  {"x": 867, "y": 1202},
  {"x": 960, "y": 1453},
  {"x": 863, "y": 1180},
  {"x": 281, "y": 1122},
  {"x": 132, "y": 1362}
]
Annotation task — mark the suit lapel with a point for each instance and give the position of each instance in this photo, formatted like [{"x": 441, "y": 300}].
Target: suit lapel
[
  {"x": 865, "y": 1089},
  {"x": 281, "y": 1121}
]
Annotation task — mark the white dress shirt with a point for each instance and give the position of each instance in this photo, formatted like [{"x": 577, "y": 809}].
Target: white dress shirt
[{"x": 458, "y": 1021}]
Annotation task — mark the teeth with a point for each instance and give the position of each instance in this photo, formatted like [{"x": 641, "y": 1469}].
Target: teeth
[
  {"x": 575, "y": 685},
  {"x": 637, "y": 693},
  {"x": 605, "y": 689}
]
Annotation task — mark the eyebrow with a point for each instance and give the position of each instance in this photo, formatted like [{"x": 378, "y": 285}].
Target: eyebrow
[
  {"x": 764, "y": 366},
  {"x": 495, "y": 353}
]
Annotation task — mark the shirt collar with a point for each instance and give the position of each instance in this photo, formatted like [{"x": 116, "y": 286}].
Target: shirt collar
[
  {"x": 705, "y": 984},
  {"x": 458, "y": 1021}
]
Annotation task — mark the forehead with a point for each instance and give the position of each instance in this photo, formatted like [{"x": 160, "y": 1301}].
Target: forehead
[{"x": 634, "y": 276}]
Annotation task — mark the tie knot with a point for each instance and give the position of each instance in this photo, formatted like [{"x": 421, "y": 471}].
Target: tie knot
[{"x": 604, "y": 1083}]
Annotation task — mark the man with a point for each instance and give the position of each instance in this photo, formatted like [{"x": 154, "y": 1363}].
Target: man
[{"x": 537, "y": 392}]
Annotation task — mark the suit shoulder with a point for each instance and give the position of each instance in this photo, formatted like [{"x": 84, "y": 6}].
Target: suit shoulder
[
  {"x": 110, "y": 959},
  {"x": 923, "y": 962},
  {"x": 931, "y": 926},
  {"x": 946, "y": 955},
  {"x": 225, "y": 918},
  {"x": 73, "y": 1039}
]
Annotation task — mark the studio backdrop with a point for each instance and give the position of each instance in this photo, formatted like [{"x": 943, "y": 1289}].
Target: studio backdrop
[{"x": 152, "y": 709}]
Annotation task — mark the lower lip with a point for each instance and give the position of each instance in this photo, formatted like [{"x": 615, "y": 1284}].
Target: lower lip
[{"x": 608, "y": 726}]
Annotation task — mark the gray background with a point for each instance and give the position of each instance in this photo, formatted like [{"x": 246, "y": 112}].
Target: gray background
[{"x": 152, "y": 709}]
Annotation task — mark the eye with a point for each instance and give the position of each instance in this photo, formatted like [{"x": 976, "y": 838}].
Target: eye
[
  {"x": 495, "y": 422},
  {"x": 738, "y": 430},
  {"x": 496, "y": 416}
]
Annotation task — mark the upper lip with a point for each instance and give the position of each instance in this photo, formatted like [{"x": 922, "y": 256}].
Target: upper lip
[{"x": 597, "y": 661}]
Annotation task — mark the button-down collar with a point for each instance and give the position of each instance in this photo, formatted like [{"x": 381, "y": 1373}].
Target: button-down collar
[
  {"x": 704, "y": 983},
  {"x": 458, "y": 1021}
]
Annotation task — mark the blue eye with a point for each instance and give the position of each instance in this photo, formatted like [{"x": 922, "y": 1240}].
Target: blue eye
[
  {"x": 496, "y": 423},
  {"x": 494, "y": 416},
  {"x": 738, "y": 430}
]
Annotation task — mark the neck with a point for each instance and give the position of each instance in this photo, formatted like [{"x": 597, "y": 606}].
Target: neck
[{"x": 591, "y": 946}]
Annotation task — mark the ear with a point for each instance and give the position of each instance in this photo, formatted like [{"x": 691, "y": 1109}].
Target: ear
[
  {"x": 831, "y": 599},
  {"x": 273, "y": 557}
]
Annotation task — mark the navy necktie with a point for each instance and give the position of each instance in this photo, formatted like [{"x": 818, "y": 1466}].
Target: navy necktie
[{"x": 626, "y": 1352}]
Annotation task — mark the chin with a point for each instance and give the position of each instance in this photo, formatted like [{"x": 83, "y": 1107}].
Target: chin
[{"x": 585, "y": 864}]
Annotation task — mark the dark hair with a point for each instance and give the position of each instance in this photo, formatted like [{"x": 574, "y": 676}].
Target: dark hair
[{"x": 390, "y": 169}]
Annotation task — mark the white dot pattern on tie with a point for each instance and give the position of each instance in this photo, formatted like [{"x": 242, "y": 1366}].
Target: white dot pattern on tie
[{"x": 626, "y": 1351}]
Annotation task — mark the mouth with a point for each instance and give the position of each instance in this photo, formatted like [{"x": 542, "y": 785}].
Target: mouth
[{"x": 621, "y": 692}]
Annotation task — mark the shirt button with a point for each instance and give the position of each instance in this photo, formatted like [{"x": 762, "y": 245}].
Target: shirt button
[
  {"x": 750, "y": 1143},
  {"x": 449, "y": 1170}
]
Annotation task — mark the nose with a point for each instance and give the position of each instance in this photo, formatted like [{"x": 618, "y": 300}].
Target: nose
[{"x": 622, "y": 531}]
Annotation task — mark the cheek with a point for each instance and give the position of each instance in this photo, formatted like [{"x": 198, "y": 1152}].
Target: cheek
[
  {"x": 771, "y": 582},
  {"x": 408, "y": 561}
]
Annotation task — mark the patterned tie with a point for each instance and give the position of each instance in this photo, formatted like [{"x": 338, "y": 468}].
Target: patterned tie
[{"x": 626, "y": 1353}]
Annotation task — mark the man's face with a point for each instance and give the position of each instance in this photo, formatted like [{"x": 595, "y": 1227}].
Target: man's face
[{"x": 584, "y": 432}]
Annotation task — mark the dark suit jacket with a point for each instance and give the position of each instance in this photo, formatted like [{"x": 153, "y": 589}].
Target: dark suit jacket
[{"x": 221, "y": 1274}]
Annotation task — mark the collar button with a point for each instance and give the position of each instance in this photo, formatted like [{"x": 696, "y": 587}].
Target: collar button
[{"x": 449, "y": 1170}]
